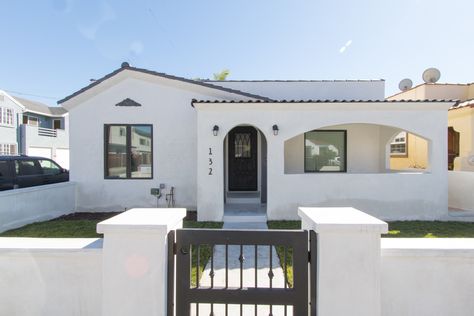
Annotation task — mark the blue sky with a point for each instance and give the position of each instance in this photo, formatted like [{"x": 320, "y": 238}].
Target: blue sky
[{"x": 52, "y": 48}]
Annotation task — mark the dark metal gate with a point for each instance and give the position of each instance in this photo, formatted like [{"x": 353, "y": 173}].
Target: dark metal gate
[{"x": 242, "y": 269}]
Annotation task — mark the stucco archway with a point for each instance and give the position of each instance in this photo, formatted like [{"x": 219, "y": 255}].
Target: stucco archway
[{"x": 245, "y": 170}]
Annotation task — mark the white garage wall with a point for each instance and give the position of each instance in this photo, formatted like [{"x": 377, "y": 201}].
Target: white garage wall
[
  {"x": 62, "y": 157},
  {"x": 40, "y": 152}
]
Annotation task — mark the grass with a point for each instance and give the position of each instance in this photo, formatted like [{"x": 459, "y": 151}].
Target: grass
[
  {"x": 281, "y": 250},
  {"x": 56, "y": 228},
  {"x": 425, "y": 229},
  {"x": 204, "y": 250}
]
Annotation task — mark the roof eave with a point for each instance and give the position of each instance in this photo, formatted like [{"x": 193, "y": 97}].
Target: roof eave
[{"x": 162, "y": 75}]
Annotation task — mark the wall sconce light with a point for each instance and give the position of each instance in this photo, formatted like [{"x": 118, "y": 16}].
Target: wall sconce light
[
  {"x": 215, "y": 129},
  {"x": 275, "y": 130}
]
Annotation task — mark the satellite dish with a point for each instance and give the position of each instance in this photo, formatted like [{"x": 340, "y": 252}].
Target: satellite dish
[
  {"x": 405, "y": 84},
  {"x": 431, "y": 75}
]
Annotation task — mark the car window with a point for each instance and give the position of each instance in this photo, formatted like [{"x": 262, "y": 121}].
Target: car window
[
  {"x": 4, "y": 169},
  {"x": 49, "y": 167},
  {"x": 27, "y": 168}
]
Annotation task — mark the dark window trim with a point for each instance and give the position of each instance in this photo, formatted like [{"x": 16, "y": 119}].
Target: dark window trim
[
  {"x": 345, "y": 150},
  {"x": 128, "y": 149}
]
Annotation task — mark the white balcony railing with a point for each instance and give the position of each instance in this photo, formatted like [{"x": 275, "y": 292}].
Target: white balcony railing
[{"x": 47, "y": 132}]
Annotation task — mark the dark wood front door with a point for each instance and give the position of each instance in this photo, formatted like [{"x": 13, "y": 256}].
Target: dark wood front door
[{"x": 243, "y": 159}]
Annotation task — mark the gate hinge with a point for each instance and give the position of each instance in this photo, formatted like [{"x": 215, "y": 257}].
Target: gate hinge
[
  {"x": 175, "y": 249},
  {"x": 309, "y": 256}
]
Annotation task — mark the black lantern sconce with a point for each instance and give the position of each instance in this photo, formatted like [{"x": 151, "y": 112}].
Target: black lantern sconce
[
  {"x": 215, "y": 129},
  {"x": 275, "y": 130}
]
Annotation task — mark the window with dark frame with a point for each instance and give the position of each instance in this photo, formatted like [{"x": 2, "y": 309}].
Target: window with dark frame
[
  {"x": 325, "y": 151},
  {"x": 128, "y": 151}
]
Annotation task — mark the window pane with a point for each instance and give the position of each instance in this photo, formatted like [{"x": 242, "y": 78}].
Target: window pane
[
  {"x": 399, "y": 145},
  {"x": 4, "y": 171},
  {"x": 242, "y": 145},
  {"x": 325, "y": 151},
  {"x": 27, "y": 168},
  {"x": 116, "y": 152},
  {"x": 141, "y": 162},
  {"x": 49, "y": 167},
  {"x": 33, "y": 121}
]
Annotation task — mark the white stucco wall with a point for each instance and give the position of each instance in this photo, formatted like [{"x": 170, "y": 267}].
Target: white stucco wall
[
  {"x": 406, "y": 195},
  {"x": 166, "y": 104},
  {"x": 314, "y": 90},
  {"x": 19, "y": 207},
  {"x": 426, "y": 277},
  {"x": 42, "y": 276},
  {"x": 461, "y": 185}
]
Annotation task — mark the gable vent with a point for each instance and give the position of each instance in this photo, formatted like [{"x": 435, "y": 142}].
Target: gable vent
[{"x": 128, "y": 102}]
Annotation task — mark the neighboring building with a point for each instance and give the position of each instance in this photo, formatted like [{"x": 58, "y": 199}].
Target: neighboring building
[
  {"x": 460, "y": 127},
  {"x": 34, "y": 129},
  {"x": 10, "y": 120},
  {"x": 251, "y": 146}
]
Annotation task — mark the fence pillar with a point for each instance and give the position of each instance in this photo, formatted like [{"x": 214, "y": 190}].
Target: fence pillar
[
  {"x": 135, "y": 261},
  {"x": 348, "y": 262}
]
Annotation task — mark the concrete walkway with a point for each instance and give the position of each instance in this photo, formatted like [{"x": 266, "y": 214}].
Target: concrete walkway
[{"x": 248, "y": 280}]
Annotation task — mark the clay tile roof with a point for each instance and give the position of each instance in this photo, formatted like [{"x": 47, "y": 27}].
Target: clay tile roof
[{"x": 317, "y": 101}]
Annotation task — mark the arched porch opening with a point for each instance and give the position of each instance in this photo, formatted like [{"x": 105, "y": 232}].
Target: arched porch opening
[
  {"x": 245, "y": 171},
  {"x": 356, "y": 148}
]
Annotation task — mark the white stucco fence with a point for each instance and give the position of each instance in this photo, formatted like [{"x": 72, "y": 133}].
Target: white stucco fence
[
  {"x": 43, "y": 276},
  {"x": 461, "y": 185},
  {"x": 19, "y": 207},
  {"x": 429, "y": 276},
  {"x": 126, "y": 272}
]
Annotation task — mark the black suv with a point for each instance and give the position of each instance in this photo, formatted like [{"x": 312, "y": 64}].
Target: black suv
[{"x": 24, "y": 171}]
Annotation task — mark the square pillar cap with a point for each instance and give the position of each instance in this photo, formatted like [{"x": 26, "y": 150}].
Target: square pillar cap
[
  {"x": 139, "y": 219},
  {"x": 341, "y": 219}
]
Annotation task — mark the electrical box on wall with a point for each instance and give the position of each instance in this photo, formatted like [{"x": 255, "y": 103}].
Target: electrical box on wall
[{"x": 155, "y": 191}]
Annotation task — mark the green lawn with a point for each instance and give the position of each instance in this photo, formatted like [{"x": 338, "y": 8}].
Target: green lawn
[
  {"x": 426, "y": 229},
  {"x": 57, "y": 228},
  {"x": 204, "y": 250}
]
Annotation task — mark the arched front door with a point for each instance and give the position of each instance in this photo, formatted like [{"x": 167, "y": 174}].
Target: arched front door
[{"x": 243, "y": 159}]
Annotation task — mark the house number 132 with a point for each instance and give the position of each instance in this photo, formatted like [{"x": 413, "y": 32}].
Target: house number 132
[{"x": 210, "y": 161}]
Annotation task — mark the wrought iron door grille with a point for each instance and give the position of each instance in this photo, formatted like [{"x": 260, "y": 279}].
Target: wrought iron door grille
[{"x": 258, "y": 261}]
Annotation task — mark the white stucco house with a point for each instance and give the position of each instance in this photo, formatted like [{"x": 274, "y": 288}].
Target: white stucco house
[{"x": 254, "y": 146}]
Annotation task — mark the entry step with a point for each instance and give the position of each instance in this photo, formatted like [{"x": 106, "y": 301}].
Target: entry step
[
  {"x": 243, "y": 197},
  {"x": 245, "y": 218}
]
